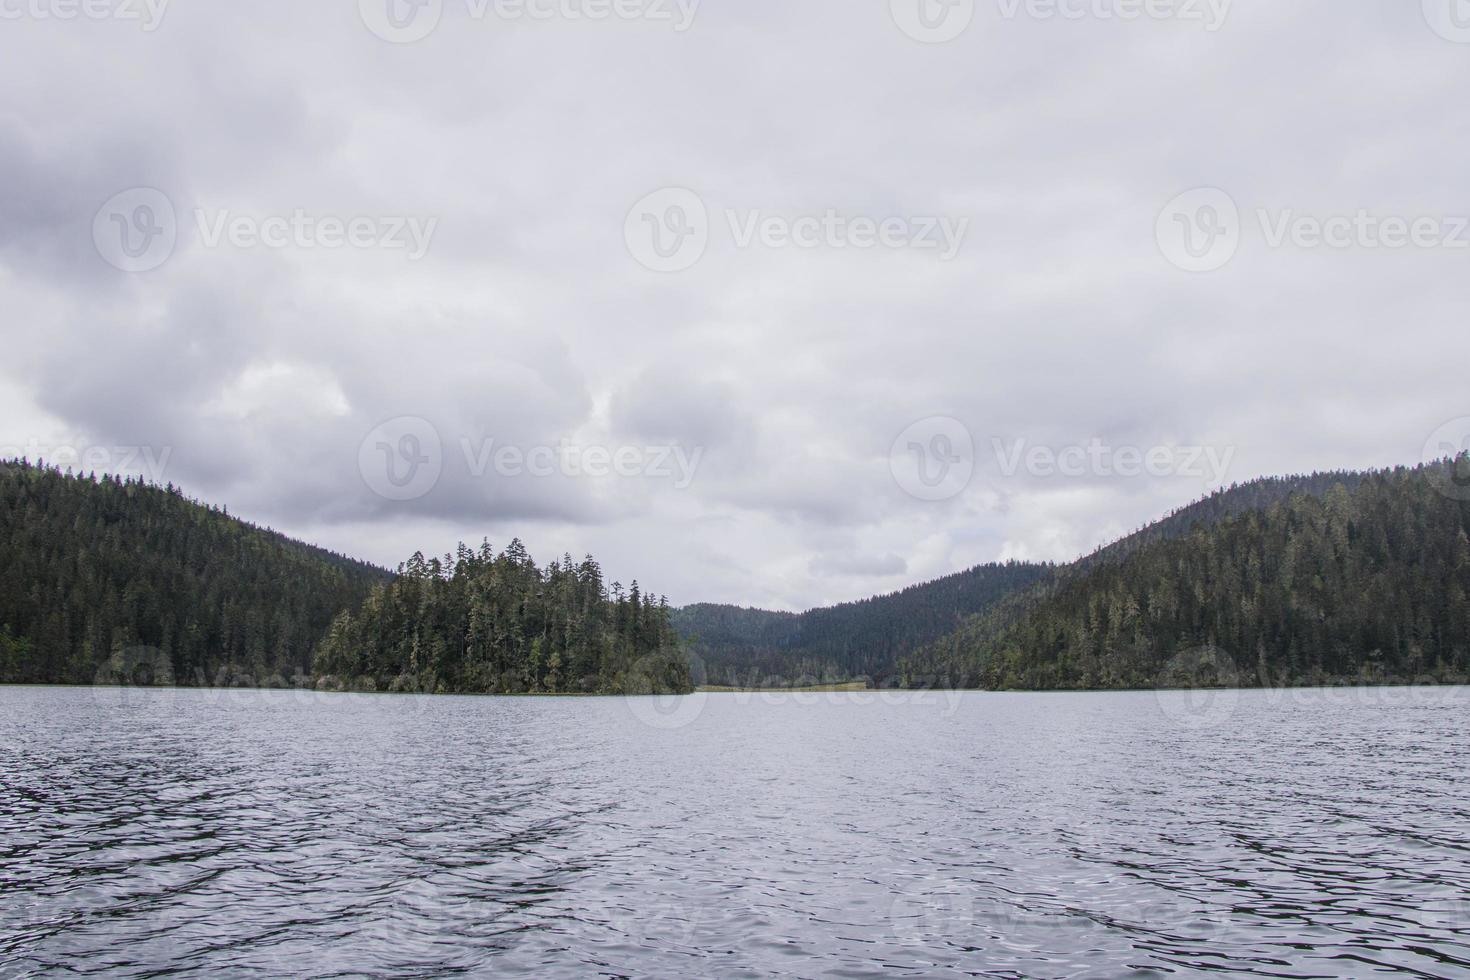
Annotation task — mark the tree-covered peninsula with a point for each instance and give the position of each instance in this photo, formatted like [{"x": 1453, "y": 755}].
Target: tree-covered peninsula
[{"x": 491, "y": 623}]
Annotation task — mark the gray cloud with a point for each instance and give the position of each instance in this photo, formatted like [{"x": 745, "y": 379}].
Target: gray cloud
[{"x": 528, "y": 321}]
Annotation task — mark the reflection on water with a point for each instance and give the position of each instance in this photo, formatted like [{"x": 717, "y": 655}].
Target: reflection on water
[{"x": 1296, "y": 834}]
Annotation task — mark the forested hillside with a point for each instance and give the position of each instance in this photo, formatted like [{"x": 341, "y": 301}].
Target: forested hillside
[
  {"x": 751, "y": 647},
  {"x": 103, "y": 577},
  {"x": 1365, "y": 579},
  {"x": 486, "y": 623}
]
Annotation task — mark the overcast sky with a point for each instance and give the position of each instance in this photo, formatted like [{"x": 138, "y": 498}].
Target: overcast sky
[{"x": 848, "y": 294}]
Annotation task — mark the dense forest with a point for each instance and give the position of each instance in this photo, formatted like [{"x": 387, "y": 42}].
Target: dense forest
[
  {"x": 911, "y": 637},
  {"x": 866, "y": 639},
  {"x": 1305, "y": 579},
  {"x": 112, "y": 579},
  {"x": 1357, "y": 579},
  {"x": 486, "y": 623}
]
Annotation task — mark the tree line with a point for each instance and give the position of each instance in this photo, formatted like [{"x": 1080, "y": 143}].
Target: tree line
[
  {"x": 113, "y": 580},
  {"x": 482, "y": 622},
  {"x": 107, "y": 576},
  {"x": 1356, "y": 580},
  {"x": 866, "y": 639}
]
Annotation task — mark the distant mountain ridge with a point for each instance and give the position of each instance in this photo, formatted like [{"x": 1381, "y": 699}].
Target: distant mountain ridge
[
  {"x": 1301, "y": 579},
  {"x": 740, "y": 644},
  {"x": 745, "y": 647}
]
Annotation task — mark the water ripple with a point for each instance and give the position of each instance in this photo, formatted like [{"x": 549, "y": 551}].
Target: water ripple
[{"x": 179, "y": 833}]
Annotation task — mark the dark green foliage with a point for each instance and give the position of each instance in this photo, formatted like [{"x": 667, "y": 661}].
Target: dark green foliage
[
  {"x": 98, "y": 575},
  {"x": 477, "y": 622},
  {"x": 751, "y": 647},
  {"x": 1346, "y": 579}
]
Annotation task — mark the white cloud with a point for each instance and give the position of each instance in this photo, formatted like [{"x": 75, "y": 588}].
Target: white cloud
[{"x": 528, "y": 322}]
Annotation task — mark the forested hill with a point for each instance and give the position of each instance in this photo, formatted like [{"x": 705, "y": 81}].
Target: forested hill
[
  {"x": 486, "y": 623},
  {"x": 111, "y": 580},
  {"x": 1221, "y": 505},
  {"x": 1365, "y": 579},
  {"x": 104, "y": 578},
  {"x": 917, "y": 634},
  {"x": 751, "y": 647}
]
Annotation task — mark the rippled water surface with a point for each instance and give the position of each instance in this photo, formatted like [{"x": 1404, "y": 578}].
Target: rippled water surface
[{"x": 1297, "y": 834}]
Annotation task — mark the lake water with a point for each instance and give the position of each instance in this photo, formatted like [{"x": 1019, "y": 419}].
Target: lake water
[{"x": 1287, "y": 834}]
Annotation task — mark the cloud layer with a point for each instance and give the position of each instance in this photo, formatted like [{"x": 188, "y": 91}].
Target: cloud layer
[{"x": 808, "y": 352}]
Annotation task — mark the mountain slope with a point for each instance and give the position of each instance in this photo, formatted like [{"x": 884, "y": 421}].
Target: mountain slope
[
  {"x": 1366, "y": 578},
  {"x": 869, "y": 638},
  {"x": 745, "y": 647},
  {"x": 105, "y": 578}
]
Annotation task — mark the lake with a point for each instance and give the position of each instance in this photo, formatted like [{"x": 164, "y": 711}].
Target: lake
[{"x": 1302, "y": 833}]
